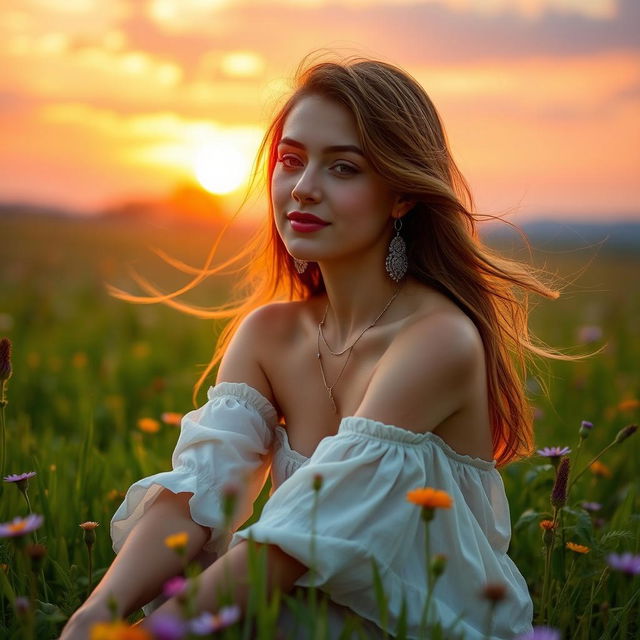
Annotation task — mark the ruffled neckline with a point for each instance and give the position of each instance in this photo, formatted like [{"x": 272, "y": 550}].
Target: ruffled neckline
[{"x": 349, "y": 424}]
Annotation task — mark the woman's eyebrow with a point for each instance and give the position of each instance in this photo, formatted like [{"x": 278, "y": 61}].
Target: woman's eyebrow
[{"x": 334, "y": 148}]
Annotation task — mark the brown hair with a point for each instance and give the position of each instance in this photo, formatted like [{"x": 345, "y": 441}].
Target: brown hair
[{"x": 404, "y": 140}]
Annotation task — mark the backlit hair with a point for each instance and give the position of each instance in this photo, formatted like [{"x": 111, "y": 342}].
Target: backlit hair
[{"x": 404, "y": 141}]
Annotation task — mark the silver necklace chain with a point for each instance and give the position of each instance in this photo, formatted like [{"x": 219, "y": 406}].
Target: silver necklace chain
[{"x": 349, "y": 349}]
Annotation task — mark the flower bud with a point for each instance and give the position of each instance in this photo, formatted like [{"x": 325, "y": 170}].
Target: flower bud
[
  {"x": 5, "y": 359},
  {"x": 559, "y": 493},
  {"x": 585, "y": 429},
  {"x": 438, "y": 564},
  {"x": 317, "y": 481},
  {"x": 89, "y": 532},
  {"x": 626, "y": 432}
]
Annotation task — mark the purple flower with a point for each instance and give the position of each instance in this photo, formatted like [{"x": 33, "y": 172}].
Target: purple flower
[
  {"x": 626, "y": 562},
  {"x": 591, "y": 506},
  {"x": 554, "y": 452},
  {"x": 540, "y": 633},
  {"x": 21, "y": 480},
  {"x": 20, "y": 526},
  {"x": 207, "y": 623},
  {"x": 174, "y": 586},
  {"x": 21, "y": 604},
  {"x": 585, "y": 429},
  {"x": 167, "y": 627},
  {"x": 589, "y": 333}
]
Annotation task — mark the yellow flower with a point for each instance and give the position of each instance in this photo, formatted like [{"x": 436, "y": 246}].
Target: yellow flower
[
  {"x": 547, "y": 525},
  {"x": 118, "y": 631},
  {"x": 600, "y": 469},
  {"x": 171, "y": 418},
  {"x": 430, "y": 498},
  {"x": 177, "y": 541},
  {"x": 578, "y": 548},
  {"x": 148, "y": 425}
]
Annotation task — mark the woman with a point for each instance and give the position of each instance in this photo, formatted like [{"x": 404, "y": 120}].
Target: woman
[{"x": 392, "y": 358}]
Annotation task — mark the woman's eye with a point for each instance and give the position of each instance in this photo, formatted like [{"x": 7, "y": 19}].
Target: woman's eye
[
  {"x": 346, "y": 168},
  {"x": 286, "y": 161}
]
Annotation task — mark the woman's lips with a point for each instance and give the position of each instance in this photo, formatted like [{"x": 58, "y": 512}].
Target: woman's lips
[{"x": 305, "y": 222}]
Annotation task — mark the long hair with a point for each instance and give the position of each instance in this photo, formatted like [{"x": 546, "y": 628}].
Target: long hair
[{"x": 404, "y": 140}]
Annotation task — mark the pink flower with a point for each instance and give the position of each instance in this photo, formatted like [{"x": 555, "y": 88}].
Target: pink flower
[
  {"x": 589, "y": 333},
  {"x": 174, "y": 586},
  {"x": 20, "y": 526},
  {"x": 207, "y": 623}
]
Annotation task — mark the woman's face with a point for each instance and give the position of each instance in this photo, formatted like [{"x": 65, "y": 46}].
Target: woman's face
[{"x": 328, "y": 202}]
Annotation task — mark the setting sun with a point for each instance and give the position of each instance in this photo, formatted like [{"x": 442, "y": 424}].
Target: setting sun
[{"x": 220, "y": 167}]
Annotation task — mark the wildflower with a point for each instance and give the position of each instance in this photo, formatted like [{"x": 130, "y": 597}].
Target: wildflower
[
  {"x": 171, "y": 418},
  {"x": 317, "y": 481},
  {"x": 547, "y": 525},
  {"x": 148, "y": 425},
  {"x": 175, "y": 586},
  {"x": 600, "y": 469},
  {"x": 207, "y": 623},
  {"x": 629, "y": 404},
  {"x": 554, "y": 452},
  {"x": 20, "y": 526},
  {"x": 540, "y": 633},
  {"x": 559, "y": 493},
  {"x": 89, "y": 532},
  {"x": 118, "y": 631},
  {"x": 167, "y": 627},
  {"x": 114, "y": 494},
  {"x": 21, "y": 605},
  {"x": 429, "y": 499},
  {"x": 589, "y": 333},
  {"x": 5, "y": 360},
  {"x": 626, "y": 432},
  {"x": 591, "y": 506},
  {"x": 585, "y": 429},
  {"x": 37, "y": 553},
  {"x": 438, "y": 564},
  {"x": 177, "y": 542},
  {"x": 626, "y": 563},
  {"x": 79, "y": 360},
  {"x": 21, "y": 480},
  {"x": 494, "y": 592},
  {"x": 578, "y": 548}
]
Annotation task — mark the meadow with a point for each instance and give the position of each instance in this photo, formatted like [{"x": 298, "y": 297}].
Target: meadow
[{"x": 95, "y": 381}]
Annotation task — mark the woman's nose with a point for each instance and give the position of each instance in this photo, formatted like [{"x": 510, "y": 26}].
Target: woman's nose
[{"x": 307, "y": 188}]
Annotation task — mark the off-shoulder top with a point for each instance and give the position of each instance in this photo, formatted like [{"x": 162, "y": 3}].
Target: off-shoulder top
[{"x": 361, "y": 515}]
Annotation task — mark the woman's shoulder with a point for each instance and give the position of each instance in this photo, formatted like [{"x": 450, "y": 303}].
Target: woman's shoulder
[{"x": 279, "y": 319}]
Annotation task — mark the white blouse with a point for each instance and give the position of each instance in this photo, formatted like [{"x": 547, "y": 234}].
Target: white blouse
[{"x": 362, "y": 511}]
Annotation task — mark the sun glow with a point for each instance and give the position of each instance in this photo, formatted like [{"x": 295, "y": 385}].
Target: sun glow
[{"x": 220, "y": 167}]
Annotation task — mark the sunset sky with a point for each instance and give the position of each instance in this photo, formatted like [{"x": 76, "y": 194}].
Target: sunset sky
[{"x": 107, "y": 100}]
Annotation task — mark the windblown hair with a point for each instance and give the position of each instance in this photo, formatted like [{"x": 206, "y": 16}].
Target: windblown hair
[{"x": 403, "y": 139}]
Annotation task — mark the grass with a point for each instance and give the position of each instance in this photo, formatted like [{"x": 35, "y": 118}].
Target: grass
[{"x": 87, "y": 367}]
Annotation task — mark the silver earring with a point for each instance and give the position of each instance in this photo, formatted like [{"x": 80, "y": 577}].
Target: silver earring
[
  {"x": 397, "y": 262},
  {"x": 300, "y": 265}
]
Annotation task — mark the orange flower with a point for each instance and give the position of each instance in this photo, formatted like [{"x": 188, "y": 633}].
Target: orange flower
[
  {"x": 177, "y": 541},
  {"x": 148, "y": 425},
  {"x": 171, "y": 418},
  {"x": 629, "y": 405},
  {"x": 578, "y": 548},
  {"x": 118, "y": 631},
  {"x": 600, "y": 469},
  {"x": 430, "y": 498},
  {"x": 89, "y": 525},
  {"x": 547, "y": 525}
]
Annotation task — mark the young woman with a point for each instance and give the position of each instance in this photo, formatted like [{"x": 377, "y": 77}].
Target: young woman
[{"x": 382, "y": 348}]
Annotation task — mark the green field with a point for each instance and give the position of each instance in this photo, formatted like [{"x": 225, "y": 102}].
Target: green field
[{"x": 87, "y": 367}]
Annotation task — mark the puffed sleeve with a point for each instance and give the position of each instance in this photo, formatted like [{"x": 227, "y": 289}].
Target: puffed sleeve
[
  {"x": 362, "y": 514},
  {"x": 226, "y": 442}
]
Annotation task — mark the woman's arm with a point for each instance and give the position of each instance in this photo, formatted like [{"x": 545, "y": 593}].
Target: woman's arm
[{"x": 143, "y": 564}]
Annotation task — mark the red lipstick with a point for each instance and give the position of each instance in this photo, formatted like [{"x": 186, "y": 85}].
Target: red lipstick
[{"x": 305, "y": 222}]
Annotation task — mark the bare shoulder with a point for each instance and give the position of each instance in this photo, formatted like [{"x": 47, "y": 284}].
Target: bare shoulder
[
  {"x": 254, "y": 343},
  {"x": 428, "y": 372}
]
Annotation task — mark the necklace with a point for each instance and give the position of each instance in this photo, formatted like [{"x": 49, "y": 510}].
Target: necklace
[{"x": 347, "y": 350}]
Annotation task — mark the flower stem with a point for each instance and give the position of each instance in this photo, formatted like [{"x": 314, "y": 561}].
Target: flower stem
[
  {"x": 3, "y": 433},
  {"x": 589, "y": 464},
  {"x": 427, "y": 552},
  {"x": 544, "y": 614}
]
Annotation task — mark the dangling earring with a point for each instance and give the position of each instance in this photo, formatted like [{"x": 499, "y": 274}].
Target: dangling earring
[
  {"x": 300, "y": 265},
  {"x": 397, "y": 262}
]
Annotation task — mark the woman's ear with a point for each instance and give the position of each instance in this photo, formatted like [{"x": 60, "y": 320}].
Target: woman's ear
[{"x": 402, "y": 206}]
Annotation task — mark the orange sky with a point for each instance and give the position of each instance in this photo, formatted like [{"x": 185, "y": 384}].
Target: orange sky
[{"x": 105, "y": 100}]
